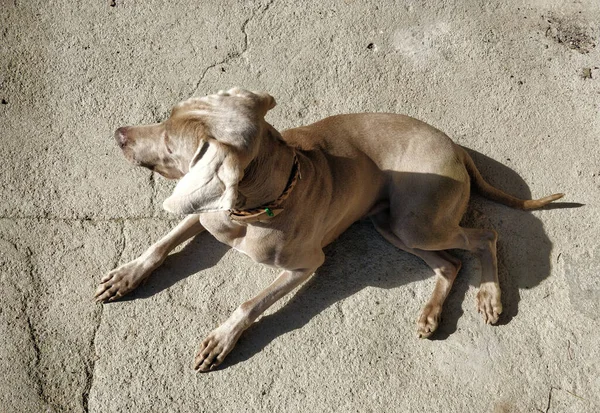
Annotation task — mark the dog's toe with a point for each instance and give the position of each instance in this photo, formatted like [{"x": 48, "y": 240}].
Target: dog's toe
[
  {"x": 214, "y": 349},
  {"x": 112, "y": 289},
  {"x": 120, "y": 281},
  {"x": 489, "y": 304},
  {"x": 428, "y": 320}
]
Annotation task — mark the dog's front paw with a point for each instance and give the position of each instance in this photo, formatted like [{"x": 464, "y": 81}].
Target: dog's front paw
[
  {"x": 428, "y": 320},
  {"x": 121, "y": 281},
  {"x": 488, "y": 302},
  {"x": 215, "y": 348}
]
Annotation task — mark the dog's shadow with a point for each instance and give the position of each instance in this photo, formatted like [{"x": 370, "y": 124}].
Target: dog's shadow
[
  {"x": 202, "y": 252},
  {"x": 362, "y": 258}
]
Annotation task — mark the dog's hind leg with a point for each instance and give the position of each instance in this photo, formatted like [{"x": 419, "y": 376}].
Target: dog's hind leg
[
  {"x": 482, "y": 242},
  {"x": 444, "y": 265}
]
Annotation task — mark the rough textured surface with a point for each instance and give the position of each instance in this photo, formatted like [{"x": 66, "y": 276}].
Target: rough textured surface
[{"x": 516, "y": 81}]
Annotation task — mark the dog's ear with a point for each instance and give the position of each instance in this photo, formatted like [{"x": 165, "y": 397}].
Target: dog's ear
[
  {"x": 231, "y": 123},
  {"x": 211, "y": 183},
  {"x": 262, "y": 102},
  {"x": 236, "y": 117}
]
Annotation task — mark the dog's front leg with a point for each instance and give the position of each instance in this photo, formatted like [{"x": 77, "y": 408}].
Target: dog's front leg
[
  {"x": 128, "y": 276},
  {"x": 221, "y": 341}
]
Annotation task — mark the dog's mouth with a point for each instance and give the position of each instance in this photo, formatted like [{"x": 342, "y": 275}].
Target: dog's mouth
[
  {"x": 141, "y": 154},
  {"x": 165, "y": 172},
  {"x": 146, "y": 165},
  {"x": 129, "y": 155}
]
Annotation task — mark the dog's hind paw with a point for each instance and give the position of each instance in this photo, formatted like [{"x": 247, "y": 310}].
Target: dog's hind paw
[
  {"x": 488, "y": 302},
  {"x": 429, "y": 320}
]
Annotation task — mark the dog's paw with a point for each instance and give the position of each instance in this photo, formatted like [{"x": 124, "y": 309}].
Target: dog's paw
[
  {"x": 121, "y": 281},
  {"x": 215, "y": 348},
  {"x": 429, "y": 320},
  {"x": 488, "y": 302}
]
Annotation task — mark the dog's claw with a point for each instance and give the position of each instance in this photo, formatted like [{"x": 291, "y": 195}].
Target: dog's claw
[
  {"x": 488, "y": 303},
  {"x": 428, "y": 320},
  {"x": 120, "y": 281},
  {"x": 214, "y": 349}
]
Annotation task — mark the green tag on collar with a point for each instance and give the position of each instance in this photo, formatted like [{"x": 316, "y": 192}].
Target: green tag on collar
[{"x": 269, "y": 212}]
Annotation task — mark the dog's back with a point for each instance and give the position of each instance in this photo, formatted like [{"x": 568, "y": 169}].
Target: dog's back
[{"x": 394, "y": 142}]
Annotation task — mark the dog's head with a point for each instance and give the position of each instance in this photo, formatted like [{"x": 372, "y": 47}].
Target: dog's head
[{"x": 207, "y": 142}]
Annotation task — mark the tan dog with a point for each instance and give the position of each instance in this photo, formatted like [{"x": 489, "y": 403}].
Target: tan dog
[{"x": 281, "y": 198}]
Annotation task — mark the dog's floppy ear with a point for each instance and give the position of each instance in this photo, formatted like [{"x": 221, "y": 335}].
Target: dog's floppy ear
[
  {"x": 236, "y": 117},
  {"x": 231, "y": 124},
  {"x": 211, "y": 183}
]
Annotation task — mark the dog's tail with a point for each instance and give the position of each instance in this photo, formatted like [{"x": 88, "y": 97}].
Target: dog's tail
[{"x": 499, "y": 196}]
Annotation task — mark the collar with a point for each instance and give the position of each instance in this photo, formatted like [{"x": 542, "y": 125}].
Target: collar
[{"x": 270, "y": 209}]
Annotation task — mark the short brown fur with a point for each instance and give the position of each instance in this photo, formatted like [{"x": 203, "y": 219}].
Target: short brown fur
[{"x": 408, "y": 177}]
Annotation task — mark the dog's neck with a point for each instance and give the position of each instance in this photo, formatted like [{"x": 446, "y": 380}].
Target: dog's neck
[{"x": 268, "y": 174}]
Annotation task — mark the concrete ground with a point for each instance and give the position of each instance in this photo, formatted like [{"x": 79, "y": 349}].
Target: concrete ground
[{"x": 516, "y": 81}]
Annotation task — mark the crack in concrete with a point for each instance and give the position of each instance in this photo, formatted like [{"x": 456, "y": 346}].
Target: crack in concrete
[
  {"x": 33, "y": 338},
  {"x": 152, "y": 183},
  {"x": 90, "y": 369},
  {"x": 234, "y": 55},
  {"x": 87, "y": 219},
  {"x": 34, "y": 374},
  {"x": 548, "y": 405},
  {"x": 41, "y": 392}
]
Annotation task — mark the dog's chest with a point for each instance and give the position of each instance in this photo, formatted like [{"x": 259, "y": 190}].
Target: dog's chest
[{"x": 263, "y": 245}]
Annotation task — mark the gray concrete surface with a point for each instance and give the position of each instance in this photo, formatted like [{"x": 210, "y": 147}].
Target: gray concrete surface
[{"x": 516, "y": 81}]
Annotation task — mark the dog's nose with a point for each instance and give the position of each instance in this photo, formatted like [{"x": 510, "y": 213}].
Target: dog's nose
[{"x": 121, "y": 137}]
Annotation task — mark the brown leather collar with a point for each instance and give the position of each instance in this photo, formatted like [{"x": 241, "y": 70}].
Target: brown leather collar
[{"x": 271, "y": 209}]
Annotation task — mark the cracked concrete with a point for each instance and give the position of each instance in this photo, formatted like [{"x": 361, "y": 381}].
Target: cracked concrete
[
  {"x": 517, "y": 82},
  {"x": 91, "y": 365},
  {"x": 233, "y": 55}
]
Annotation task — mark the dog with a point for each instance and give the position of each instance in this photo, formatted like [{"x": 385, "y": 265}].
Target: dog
[{"x": 281, "y": 197}]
